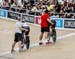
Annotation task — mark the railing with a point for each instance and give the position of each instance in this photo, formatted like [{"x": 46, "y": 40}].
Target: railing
[
  {"x": 61, "y": 23},
  {"x": 16, "y": 9}
]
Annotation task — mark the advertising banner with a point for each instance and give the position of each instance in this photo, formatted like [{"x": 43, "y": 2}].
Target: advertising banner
[
  {"x": 13, "y": 15},
  {"x": 3, "y": 13},
  {"x": 28, "y": 18},
  {"x": 69, "y": 23},
  {"x": 38, "y": 20},
  {"x": 59, "y": 22}
]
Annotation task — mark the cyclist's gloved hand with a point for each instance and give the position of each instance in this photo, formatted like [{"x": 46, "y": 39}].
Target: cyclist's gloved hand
[{"x": 26, "y": 30}]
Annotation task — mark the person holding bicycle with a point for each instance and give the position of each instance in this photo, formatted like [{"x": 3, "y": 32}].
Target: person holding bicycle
[
  {"x": 45, "y": 19},
  {"x": 18, "y": 34}
]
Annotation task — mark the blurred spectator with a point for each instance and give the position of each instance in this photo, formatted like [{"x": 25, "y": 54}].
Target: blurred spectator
[
  {"x": 73, "y": 16},
  {"x": 0, "y": 3},
  {"x": 68, "y": 15},
  {"x": 5, "y": 5},
  {"x": 57, "y": 7},
  {"x": 34, "y": 8},
  {"x": 13, "y": 6},
  {"x": 50, "y": 7},
  {"x": 38, "y": 6}
]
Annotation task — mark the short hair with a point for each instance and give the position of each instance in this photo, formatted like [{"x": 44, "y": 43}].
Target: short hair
[
  {"x": 46, "y": 11},
  {"x": 18, "y": 18},
  {"x": 23, "y": 21}
]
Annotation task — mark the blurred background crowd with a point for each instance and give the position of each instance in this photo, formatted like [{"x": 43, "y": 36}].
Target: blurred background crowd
[{"x": 58, "y": 8}]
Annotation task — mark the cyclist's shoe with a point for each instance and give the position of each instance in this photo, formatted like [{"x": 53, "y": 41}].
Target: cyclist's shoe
[
  {"x": 40, "y": 43},
  {"x": 48, "y": 42}
]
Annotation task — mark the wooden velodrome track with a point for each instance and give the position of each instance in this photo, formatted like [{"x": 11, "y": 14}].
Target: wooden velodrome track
[{"x": 63, "y": 49}]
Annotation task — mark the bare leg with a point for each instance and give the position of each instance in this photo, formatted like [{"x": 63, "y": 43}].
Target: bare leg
[
  {"x": 13, "y": 45},
  {"x": 41, "y": 36},
  {"x": 20, "y": 45},
  {"x": 46, "y": 35}
]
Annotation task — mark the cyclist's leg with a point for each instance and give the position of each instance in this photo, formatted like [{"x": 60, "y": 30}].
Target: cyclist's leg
[{"x": 41, "y": 36}]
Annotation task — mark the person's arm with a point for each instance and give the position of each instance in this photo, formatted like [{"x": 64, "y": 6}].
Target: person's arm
[
  {"x": 22, "y": 29},
  {"x": 50, "y": 21}
]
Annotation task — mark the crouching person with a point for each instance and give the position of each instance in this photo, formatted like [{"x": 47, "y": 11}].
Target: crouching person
[
  {"x": 25, "y": 34},
  {"x": 53, "y": 31}
]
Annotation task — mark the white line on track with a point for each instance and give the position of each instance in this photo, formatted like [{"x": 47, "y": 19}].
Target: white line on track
[{"x": 36, "y": 44}]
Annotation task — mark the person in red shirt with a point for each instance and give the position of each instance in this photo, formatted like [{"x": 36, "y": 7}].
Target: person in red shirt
[{"x": 44, "y": 27}]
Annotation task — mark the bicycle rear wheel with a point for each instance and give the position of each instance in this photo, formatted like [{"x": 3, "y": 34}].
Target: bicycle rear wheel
[
  {"x": 27, "y": 42},
  {"x": 54, "y": 36}
]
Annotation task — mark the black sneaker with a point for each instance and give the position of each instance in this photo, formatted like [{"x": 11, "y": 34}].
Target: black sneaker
[
  {"x": 22, "y": 46},
  {"x": 40, "y": 43}
]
